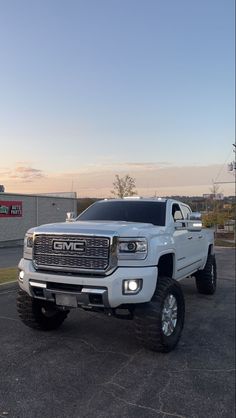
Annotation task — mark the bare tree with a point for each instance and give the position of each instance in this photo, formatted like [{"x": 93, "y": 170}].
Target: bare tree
[
  {"x": 215, "y": 189},
  {"x": 124, "y": 186},
  {"x": 216, "y": 218}
]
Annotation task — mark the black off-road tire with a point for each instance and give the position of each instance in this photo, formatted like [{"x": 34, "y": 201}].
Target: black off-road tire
[
  {"x": 206, "y": 279},
  {"x": 148, "y": 317},
  {"x": 39, "y": 314}
]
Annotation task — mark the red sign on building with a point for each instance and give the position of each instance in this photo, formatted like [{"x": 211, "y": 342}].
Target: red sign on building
[{"x": 10, "y": 209}]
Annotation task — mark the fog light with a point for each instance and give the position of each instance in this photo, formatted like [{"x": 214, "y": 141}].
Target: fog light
[
  {"x": 132, "y": 286},
  {"x": 21, "y": 276}
]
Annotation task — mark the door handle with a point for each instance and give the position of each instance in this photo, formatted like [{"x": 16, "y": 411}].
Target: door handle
[
  {"x": 190, "y": 237},
  {"x": 199, "y": 236}
]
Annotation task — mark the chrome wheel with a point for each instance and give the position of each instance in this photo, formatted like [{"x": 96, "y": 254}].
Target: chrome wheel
[{"x": 169, "y": 315}]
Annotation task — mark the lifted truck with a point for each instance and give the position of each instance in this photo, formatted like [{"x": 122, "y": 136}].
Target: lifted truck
[{"x": 123, "y": 257}]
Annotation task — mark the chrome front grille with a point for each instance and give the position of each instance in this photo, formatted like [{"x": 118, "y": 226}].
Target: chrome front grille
[{"x": 71, "y": 252}]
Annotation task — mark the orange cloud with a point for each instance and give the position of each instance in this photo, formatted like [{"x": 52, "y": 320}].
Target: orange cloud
[
  {"x": 23, "y": 174},
  {"x": 96, "y": 180}
]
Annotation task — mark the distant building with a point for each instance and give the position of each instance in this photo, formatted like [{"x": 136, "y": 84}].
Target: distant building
[
  {"x": 218, "y": 196},
  {"x": 19, "y": 212},
  {"x": 72, "y": 195},
  {"x": 208, "y": 195},
  {"x": 227, "y": 206}
]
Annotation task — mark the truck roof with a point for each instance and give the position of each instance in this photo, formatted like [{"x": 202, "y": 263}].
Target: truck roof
[
  {"x": 145, "y": 199},
  {"x": 136, "y": 199}
]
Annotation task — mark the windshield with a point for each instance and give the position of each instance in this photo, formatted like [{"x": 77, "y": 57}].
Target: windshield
[{"x": 144, "y": 212}]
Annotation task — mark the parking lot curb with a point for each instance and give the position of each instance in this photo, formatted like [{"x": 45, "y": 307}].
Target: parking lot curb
[{"x": 8, "y": 286}]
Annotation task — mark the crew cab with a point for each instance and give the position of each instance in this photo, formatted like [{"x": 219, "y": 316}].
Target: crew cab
[{"x": 123, "y": 257}]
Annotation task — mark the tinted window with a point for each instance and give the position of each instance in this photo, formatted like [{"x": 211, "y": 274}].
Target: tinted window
[{"x": 144, "y": 212}]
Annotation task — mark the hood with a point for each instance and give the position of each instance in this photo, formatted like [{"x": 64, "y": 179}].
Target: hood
[{"x": 120, "y": 228}]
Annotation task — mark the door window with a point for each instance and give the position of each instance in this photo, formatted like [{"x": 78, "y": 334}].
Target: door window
[
  {"x": 186, "y": 211},
  {"x": 176, "y": 212}
]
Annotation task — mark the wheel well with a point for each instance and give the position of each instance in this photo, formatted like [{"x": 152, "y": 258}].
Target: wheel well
[
  {"x": 210, "y": 249},
  {"x": 165, "y": 265}
]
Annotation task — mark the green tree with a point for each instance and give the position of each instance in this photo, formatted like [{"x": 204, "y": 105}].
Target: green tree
[
  {"x": 124, "y": 186},
  {"x": 212, "y": 219}
]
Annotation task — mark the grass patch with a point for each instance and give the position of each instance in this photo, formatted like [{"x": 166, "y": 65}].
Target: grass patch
[
  {"x": 223, "y": 243},
  {"x": 8, "y": 274}
]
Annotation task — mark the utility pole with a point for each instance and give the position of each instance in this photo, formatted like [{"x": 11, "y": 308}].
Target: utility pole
[
  {"x": 232, "y": 165},
  {"x": 231, "y": 169}
]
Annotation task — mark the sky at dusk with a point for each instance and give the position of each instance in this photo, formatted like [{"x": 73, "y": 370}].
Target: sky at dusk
[{"x": 90, "y": 89}]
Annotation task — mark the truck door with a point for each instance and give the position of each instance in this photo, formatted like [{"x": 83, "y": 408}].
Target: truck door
[
  {"x": 197, "y": 238},
  {"x": 186, "y": 253}
]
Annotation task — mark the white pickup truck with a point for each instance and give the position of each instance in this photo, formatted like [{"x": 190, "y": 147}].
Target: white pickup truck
[{"x": 123, "y": 257}]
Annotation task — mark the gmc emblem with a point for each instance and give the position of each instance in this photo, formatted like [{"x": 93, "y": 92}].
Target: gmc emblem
[{"x": 78, "y": 246}]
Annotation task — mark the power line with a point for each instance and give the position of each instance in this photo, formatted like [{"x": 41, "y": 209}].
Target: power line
[
  {"x": 223, "y": 165},
  {"x": 223, "y": 182}
]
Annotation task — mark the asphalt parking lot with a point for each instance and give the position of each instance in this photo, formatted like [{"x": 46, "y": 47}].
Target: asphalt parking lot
[
  {"x": 10, "y": 256},
  {"x": 93, "y": 367}
]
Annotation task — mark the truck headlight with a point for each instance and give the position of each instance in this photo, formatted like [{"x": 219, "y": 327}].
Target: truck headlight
[
  {"x": 132, "y": 248},
  {"x": 28, "y": 246}
]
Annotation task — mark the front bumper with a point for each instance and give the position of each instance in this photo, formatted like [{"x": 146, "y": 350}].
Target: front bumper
[{"x": 82, "y": 290}]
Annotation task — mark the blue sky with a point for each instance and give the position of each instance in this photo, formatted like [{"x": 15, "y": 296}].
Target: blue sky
[{"x": 98, "y": 83}]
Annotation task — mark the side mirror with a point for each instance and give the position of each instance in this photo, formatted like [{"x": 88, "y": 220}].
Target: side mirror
[
  {"x": 70, "y": 217},
  {"x": 179, "y": 224},
  {"x": 194, "y": 221}
]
